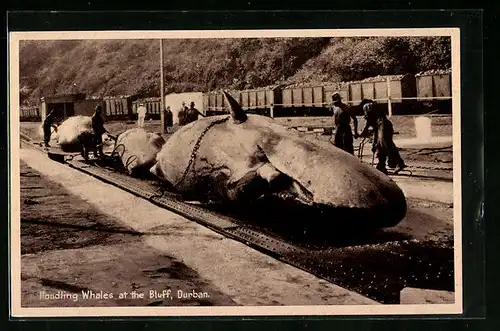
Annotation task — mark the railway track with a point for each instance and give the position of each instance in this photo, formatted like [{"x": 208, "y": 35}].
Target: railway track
[{"x": 378, "y": 267}]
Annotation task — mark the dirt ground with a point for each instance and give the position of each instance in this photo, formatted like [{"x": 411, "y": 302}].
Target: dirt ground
[{"x": 69, "y": 247}]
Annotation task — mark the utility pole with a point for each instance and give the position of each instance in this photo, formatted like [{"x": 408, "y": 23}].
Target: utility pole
[
  {"x": 162, "y": 93},
  {"x": 389, "y": 100}
]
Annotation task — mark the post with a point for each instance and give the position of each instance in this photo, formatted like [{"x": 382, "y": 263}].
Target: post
[
  {"x": 162, "y": 92},
  {"x": 272, "y": 111},
  {"x": 389, "y": 103}
]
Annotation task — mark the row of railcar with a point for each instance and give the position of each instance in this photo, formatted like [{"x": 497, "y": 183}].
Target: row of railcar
[
  {"x": 125, "y": 107},
  {"x": 30, "y": 114},
  {"x": 408, "y": 94},
  {"x": 114, "y": 108}
]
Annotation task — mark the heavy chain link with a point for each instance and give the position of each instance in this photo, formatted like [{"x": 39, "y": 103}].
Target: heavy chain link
[{"x": 197, "y": 147}]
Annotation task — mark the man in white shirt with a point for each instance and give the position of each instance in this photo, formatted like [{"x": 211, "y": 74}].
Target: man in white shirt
[{"x": 141, "y": 115}]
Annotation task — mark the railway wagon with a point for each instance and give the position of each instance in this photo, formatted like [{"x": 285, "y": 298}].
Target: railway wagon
[
  {"x": 29, "y": 114},
  {"x": 434, "y": 91},
  {"x": 312, "y": 100},
  {"x": 433, "y": 84},
  {"x": 379, "y": 88},
  {"x": 153, "y": 107},
  {"x": 118, "y": 107},
  {"x": 258, "y": 101}
]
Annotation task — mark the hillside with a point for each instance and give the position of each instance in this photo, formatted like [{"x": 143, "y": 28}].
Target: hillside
[{"x": 117, "y": 67}]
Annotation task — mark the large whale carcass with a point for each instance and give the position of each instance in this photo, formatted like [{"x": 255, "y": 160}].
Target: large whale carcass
[
  {"x": 137, "y": 149},
  {"x": 238, "y": 158}
]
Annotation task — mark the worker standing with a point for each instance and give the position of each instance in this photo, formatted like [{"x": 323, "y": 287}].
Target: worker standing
[
  {"x": 169, "y": 123},
  {"x": 141, "y": 115},
  {"x": 343, "y": 138},
  {"x": 98, "y": 128},
  {"x": 192, "y": 114},
  {"x": 383, "y": 143},
  {"x": 182, "y": 114},
  {"x": 48, "y": 124}
]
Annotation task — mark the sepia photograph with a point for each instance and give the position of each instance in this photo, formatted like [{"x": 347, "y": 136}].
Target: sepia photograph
[{"x": 235, "y": 172}]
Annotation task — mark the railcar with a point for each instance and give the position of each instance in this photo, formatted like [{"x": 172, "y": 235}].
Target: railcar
[
  {"x": 29, "y": 114},
  {"x": 118, "y": 107},
  {"x": 153, "y": 107},
  {"x": 409, "y": 94}
]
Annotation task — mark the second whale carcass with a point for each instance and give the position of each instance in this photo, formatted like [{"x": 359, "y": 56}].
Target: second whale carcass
[
  {"x": 239, "y": 158},
  {"x": 69, "y": 132},
  {"x": 137, "y": 149}
]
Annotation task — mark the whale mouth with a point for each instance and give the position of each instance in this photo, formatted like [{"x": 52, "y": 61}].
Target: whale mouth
[
  {"x": 289, "y": 196},
  {"x": 288, "y": 189}
]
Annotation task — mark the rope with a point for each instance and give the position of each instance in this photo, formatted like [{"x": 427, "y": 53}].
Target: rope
[{"x": 130, "y": 159}]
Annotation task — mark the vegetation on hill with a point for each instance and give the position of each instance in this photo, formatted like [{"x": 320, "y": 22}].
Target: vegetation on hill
[
  {"x": 347, "y": 59},
  {"x": 131, "y": 67}
]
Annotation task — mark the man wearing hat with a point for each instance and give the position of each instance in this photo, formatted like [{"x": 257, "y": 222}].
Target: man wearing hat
[
  {"x": 383, "y": 143},
  {"x": 98, "y": 128},
  {"x": 169, "y": 119},
  {"x": 141, "y": 115},
  {"x": 182, "y": 115},
  {"x": 192, "y": 114},
  {"x": 343, "y": 138},
  {"x": 47, "y": 127}
]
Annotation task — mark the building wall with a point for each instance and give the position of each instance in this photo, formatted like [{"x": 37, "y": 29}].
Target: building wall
[
  {"x": 58, "y": 101},
  {"x": 86, "y": 107},
  {"x": 174, "y": 100}
]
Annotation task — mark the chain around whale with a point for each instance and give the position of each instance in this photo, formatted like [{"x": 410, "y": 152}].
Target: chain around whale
[{"x": 196, "y": 147}]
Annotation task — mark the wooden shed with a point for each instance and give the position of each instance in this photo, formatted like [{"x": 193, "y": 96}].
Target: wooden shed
[{"x": 66, "y": 105}]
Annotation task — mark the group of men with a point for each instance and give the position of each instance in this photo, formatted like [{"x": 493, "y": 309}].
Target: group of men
[
  {"x": 383, "y": 144},
  {"x": 188, "y": 115}
]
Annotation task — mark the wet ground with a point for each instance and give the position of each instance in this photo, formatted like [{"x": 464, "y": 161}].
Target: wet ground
[
  {"x": 69, "y": 247},
  {"x": 418, "y": 252}
]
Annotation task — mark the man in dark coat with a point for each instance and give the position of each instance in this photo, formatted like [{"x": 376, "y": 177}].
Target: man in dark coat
[
  {"x": 192, "y": 114},
  {"x": 343, "y": 138},
  {"x": 98, "y": 128},
  {"x": 48, "y": 124},
  {"x": 169, "y": 119},
  {"x": 383, "y": 143},
  {"x": 182, "y": 114}
]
